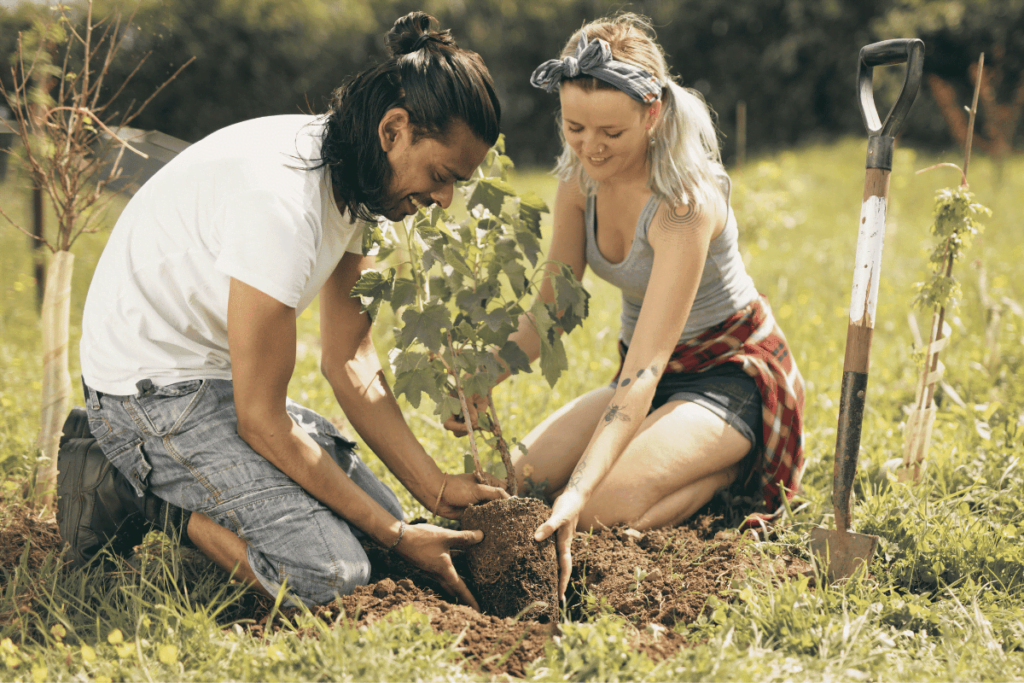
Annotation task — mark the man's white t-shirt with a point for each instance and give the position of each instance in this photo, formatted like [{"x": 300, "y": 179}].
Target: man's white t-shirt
[{"x": 237, "y": 204}]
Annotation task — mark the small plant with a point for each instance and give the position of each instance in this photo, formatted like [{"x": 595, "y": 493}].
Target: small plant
[
  {"x": 956, "y": 224},
  {"x": 638, "y": 577},
  {"x": 458, "y": 291},
  {"x": 62, "y": 105}
]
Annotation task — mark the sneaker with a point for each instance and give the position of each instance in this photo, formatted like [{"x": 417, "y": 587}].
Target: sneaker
[{"x": 97, "y": 507}]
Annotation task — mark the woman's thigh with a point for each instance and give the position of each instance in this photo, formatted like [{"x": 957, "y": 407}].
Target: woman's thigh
[
  {"x": 679, "y": 444},
  {"x": 555, "y": 445}
]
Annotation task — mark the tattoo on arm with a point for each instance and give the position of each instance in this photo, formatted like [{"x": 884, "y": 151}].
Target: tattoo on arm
[
  {"x": 577, "y": 474},
  {"x": 682, "y": 220},
  {"x": 655, "y": 370},
  {"x": 615, "y": 413}
]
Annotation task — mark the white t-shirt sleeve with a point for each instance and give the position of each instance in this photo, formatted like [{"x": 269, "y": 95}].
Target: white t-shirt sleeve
[
  {"x": 267, "y": 243},
  {"x": 355, "y": 244}
]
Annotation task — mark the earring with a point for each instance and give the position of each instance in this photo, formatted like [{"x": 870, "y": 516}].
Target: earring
[{"x": 650, "y": 140}]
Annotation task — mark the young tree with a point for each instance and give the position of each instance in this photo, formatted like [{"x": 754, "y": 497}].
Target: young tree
[
  {"x": 459, "y": 293},
  {"x": 62, "y": 109}
]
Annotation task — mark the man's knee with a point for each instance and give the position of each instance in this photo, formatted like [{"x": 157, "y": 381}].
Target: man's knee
[{"x": 321, "y": 585}]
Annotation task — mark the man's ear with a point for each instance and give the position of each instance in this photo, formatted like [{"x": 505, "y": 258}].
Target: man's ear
[{"x": 393, "y": 125}]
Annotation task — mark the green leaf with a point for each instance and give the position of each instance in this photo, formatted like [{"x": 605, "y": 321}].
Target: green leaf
[
  {"x": 426, "y": 326},
  {"x": 403, "y": 293},
  {"x": 529, "y": 244},
  {"x": 553, "y": 360},
  {"x": 467, "y": 463},
  {"x": 468, "y": 299},
  {"x": 530, "y": 209},
  {"x": 372, "y": 237},
  {"x": 491, "y": 193},
  {"x": 516, "y": 273},
  {"x": 457, "y": 261},
  {"x": 448, "y": 406},
  {"x": 374, "y": 284},
  {"x": 409, "y": 361},
  {"x": 496, "y": 318},
  {"x": 515, "y": 358},
  {"x": 439, "y": 288},
  {"x": 413, "y": 384}
]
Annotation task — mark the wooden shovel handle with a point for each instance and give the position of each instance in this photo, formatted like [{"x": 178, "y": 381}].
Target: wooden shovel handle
[{"x": 870, "y": 239}]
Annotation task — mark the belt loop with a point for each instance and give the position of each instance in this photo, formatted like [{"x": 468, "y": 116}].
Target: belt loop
[
  {"x": 145, "y": 387},
  {"x": 92, "y": 397}
]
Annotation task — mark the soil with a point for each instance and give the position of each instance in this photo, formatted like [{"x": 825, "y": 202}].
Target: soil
[
  {"x": 510, "y": 574},
  {"x": 658, "y": 580}
]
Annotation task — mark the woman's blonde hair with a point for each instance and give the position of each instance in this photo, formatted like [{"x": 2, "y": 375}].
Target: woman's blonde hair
[{"x": 685, "y": 158}]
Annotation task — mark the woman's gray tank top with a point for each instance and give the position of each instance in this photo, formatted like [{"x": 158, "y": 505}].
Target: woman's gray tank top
[{"x": 725, "y": 287}]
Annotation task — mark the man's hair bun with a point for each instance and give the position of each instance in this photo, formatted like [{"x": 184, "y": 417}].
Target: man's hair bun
[{"x": 412, "y": 33}]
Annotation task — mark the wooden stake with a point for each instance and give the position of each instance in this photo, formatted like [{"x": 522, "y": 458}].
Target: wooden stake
[{"x": 56, "y": 378}]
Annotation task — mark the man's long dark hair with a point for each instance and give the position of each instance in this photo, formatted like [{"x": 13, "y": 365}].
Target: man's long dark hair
[{"x": 430, "y": 77}]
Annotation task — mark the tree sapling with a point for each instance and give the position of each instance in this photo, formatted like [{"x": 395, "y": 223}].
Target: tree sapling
[{"x": 458, "y": 292}]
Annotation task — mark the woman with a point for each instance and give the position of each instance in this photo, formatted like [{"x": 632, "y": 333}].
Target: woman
[{"x": 707, "y": 393}]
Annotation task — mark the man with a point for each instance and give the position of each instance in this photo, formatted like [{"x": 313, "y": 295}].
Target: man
[{"x": 189, "y": 334}]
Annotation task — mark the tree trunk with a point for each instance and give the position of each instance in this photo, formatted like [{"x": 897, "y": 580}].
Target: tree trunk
[{"x": 56, "y": 378}]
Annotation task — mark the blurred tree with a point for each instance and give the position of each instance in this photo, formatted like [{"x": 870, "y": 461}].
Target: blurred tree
[
  {"x": 955, "y": 33},
  {"x": 792, "y": 61}
]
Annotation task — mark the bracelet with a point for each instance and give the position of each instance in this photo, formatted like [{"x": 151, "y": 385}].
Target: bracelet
[
  {"x": 401, "y": 532},
  {"x": 440, "y": 493}
]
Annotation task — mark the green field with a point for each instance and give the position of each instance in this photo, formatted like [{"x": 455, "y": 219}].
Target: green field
[{"x": 944, "y": 598}]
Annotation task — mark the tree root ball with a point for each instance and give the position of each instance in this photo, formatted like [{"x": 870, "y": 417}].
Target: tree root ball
[{"x": 509, "y": 571}]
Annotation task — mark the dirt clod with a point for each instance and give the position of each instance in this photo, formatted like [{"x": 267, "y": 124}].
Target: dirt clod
[{"x": 509, "y": 571}]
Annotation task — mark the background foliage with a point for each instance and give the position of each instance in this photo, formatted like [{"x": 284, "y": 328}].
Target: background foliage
[{"x": 792, "y": 61}]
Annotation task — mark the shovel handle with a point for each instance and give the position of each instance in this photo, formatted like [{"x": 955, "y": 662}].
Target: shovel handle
[
  {"x": 868, "y": 263},
  {"x": 885, "y": 53}
]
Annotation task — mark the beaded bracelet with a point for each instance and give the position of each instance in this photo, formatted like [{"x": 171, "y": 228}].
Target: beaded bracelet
[{"x": 401, "y": 532}]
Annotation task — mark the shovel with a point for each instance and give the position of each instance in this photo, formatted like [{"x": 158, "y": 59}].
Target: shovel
[{"x": 840, "y": 550}]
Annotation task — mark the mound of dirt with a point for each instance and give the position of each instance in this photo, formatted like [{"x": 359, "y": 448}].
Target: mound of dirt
[
  {"x": 662, "y": 577},
  {"x": 509, "y": 571}
]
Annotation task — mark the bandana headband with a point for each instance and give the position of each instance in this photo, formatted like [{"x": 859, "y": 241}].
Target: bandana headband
[{"x": 594, "y": 58}]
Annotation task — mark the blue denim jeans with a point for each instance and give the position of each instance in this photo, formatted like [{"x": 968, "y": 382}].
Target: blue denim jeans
[{"x": 181, "y": 442}]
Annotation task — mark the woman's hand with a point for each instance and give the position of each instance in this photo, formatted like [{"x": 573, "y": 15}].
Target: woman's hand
[
  {"x": 462, "y": 490},
  {"x": 458, "y": 425},
  {"x": 429, "y": 548},
  {"x": 564, "y": 517}
]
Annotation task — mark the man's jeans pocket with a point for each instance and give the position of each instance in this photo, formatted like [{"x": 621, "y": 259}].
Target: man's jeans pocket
[
  {"x": 160, "y": 411},
  {"x": 132, "y": 462}
]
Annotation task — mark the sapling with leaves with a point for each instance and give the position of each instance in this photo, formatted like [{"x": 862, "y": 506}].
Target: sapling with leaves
[
  {"x": 957, "y": 222},
  {"x": 458, "y": 292},
  {"x": 62, "y": 107}
]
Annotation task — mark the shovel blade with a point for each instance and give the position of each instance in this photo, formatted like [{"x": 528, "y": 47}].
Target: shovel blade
[{"x": 842, "y": 553}]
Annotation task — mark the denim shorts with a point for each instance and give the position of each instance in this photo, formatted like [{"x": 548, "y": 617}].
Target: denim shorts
[
  {"x": 726, "y": 390},
  {"x": 181, "y": 442}
]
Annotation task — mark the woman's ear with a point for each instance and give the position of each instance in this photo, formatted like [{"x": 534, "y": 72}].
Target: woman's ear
[
  {"x": 652, "y": 115},
  {"x": 392, "y": 127}
]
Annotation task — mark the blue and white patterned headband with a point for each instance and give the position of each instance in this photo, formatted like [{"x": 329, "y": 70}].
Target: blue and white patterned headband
[{"x": 594, "y": 58}]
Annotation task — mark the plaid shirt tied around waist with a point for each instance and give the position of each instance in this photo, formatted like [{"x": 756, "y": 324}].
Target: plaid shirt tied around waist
[{"x": 752, "y": 339}]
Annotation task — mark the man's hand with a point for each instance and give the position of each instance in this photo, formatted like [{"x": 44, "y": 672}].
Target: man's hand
[
  {"x": 564, "y": 517},
  {"x": 462, "y": 490},
  {"x": 429, "y": 548},
  {"x": 458, "y": 425}
]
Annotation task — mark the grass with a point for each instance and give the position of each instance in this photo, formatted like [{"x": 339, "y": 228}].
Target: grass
[{"x": 943, "y": 601}]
